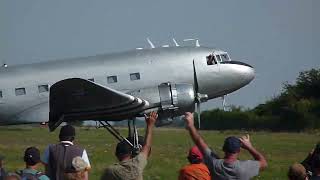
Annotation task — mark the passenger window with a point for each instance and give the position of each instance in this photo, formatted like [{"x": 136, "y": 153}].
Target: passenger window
[
  {"x": 134, "y": 76},
  {"x": 1, "y": 94},
  {"x": 43, "y": 88},
  {"x": 112, "y": 79},
  {"x": 20, "y": 91},
  {"x": 91, "y": 79}
]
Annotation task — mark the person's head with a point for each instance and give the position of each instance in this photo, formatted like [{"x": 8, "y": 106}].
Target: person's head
[
  {"x": 124, "y": 150},
  {"x": 67, "y": 133},
  {"x": 31, "y": 156},
  {"x": 77, "y": 172},
  {"x": 297, "y": 172},
  {"x": 195, "y": 156},
  {"x": 232, "y": 145},
  {"x": 12, "y": 176}
]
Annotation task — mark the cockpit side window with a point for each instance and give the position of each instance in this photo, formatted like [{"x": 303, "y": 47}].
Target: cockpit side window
[{"x": 211, "y": 60}]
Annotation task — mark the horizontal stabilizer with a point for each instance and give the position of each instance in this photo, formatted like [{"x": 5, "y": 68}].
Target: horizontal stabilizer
[{"x": 79, "y": 99}]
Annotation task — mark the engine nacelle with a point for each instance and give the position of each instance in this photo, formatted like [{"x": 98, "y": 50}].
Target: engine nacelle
[{"x": 169, "y": 99}]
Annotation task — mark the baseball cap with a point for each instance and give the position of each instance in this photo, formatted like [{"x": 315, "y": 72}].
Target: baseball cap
[
  {"x": 297, "y": 171},
  {"x": 32, "y": 156},
  {"x": 231, "y": 144},
  {"x": 67, "y": 131},
  {"x": 79, "y": 164},
  {"x": 195, "y": 153}
]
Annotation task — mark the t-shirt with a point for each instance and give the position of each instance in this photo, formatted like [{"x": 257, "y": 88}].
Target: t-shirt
[
  {"x": 131, "y": 169},
  {"x": 240, "y": 170},
  {"x": 194, "y": 171},
  {"x": 34, "y": 173}
]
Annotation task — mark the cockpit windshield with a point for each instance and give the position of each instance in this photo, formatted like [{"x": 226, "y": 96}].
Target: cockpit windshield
[
  {"x": 224, "y": 57},
  {"x": 217, "y": 57}
]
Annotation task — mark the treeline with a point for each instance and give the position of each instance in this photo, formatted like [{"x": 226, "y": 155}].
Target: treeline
[{"x": 297, "y": 108}]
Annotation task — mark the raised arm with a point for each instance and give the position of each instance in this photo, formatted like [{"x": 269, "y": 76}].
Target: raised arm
[
  {"x": 197, "y": 139},
  {"x": 150, "y": 120},
  {"x": 246, "y": 144}
]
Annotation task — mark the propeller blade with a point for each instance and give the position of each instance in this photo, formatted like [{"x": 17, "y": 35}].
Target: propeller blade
[
  {"x": 195, "y": 80},
  {"x": 199, "y": 114}
]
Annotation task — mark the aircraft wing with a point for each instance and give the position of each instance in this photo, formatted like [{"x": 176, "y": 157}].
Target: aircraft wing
[{"x": 80, "y": 99}]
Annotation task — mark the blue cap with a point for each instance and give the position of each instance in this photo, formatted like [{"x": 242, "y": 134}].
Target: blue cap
[{"x": 231, "y": 145}]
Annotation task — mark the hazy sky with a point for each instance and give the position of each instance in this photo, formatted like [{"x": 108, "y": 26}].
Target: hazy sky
[{"x": 278, "y": 37}]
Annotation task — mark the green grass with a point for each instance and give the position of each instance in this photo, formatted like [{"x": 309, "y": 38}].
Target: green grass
[{"x": 169, "y": 149}]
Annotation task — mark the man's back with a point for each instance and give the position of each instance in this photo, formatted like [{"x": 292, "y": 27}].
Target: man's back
[
  {"x": 240, "y": 170},
  {"x": 131, "y": 169},
  {"x": 60, "y": 158},
  {"x": 194, "y": 171}
]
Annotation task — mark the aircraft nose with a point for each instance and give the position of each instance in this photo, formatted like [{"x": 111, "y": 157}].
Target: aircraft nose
[
  {"x": 246, "y": 73},
  {"x": 239, "y": 74}
]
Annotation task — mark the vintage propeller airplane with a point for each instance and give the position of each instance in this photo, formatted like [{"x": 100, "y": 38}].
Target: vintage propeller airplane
[{"x": 118, "y": 86}]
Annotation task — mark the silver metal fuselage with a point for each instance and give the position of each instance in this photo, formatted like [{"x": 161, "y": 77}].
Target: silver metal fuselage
[{"x": 156, "y": 66}]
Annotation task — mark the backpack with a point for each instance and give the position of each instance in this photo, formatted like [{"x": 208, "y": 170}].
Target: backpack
[{"x": 30, "y": 176}]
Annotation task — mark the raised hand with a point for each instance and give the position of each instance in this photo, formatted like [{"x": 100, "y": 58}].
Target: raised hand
[
  {"x": 151, "y": 118},
  {"x": 188, "y": 118},
  {"x": 245, "y": 142}
]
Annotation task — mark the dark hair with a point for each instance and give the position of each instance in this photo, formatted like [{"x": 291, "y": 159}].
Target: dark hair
[
  {"x": 31, "y": 156},
  {"x": 124, "y": 149},
  {"x": 67, "y": 133},
  {"x": 66, "y": 138},
  {"x": 231, "y": 145},
  {"x": 194, "y": 160}
]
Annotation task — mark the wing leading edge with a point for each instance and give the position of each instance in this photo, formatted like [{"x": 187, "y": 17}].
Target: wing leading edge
[{"x": 80, "y": 99}]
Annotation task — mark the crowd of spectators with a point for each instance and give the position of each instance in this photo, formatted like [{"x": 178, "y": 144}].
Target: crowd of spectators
[{"x": 68, "y": 161}]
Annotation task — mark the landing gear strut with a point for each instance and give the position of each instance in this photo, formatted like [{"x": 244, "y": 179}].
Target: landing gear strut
[{"x": 132, "y": 134}]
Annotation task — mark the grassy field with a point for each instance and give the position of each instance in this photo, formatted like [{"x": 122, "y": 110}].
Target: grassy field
[{"x": 169, "y": 150}]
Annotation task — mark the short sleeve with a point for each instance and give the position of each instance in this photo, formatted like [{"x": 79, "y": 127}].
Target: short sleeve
[
  {"x": 141, "y": 160},
  {"x": 86, "y": 158},
  {"x": 45, "y": 157},
  {"x": 208, "y": 159},
  {"x": 249, "y": 168}
]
